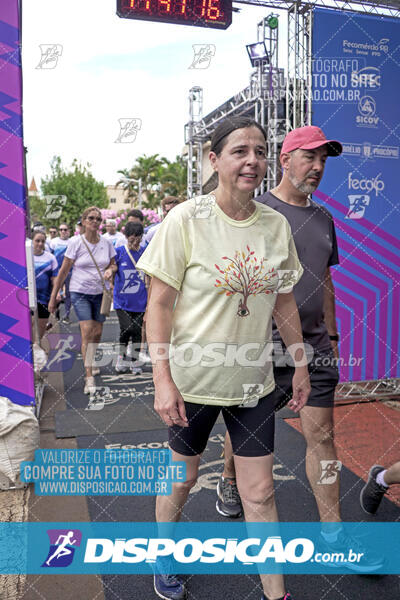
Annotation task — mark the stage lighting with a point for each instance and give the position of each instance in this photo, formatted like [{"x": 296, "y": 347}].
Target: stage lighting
[{"x": 257, "y": 53}]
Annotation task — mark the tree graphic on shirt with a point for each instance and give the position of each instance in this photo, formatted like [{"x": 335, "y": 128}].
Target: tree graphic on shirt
[{"x": 247, "y": 276}]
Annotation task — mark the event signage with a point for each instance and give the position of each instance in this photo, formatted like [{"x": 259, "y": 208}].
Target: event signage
[{"x": 355, "y": 83}]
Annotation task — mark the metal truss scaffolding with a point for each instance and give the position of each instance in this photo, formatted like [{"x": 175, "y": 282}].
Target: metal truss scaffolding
[{"x": 263, "y": 100}]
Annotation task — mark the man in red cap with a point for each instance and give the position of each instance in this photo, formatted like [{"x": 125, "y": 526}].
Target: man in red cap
[{"x": 303, "y": 157}]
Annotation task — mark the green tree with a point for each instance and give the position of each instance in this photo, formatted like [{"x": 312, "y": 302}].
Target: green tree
[
  {"x": 148, "y": 169},
  {"x": 174, "y": 178},
  {"x": 77, "y": 184},
  {"x": 160, "y": 177}
]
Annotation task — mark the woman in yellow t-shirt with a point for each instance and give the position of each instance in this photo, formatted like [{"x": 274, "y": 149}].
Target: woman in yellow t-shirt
[{"x": 222, "y": 265}]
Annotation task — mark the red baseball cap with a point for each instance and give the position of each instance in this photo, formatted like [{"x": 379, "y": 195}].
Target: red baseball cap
[{"x": 308, "y": 138}]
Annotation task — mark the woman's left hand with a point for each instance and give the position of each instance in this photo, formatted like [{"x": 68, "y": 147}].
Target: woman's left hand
[
  {"x": 301, "y": 389},
  {"x": 108, "y": 274}
]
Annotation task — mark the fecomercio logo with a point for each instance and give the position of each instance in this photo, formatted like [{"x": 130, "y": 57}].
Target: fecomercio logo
[
  {"x": 62, "y": 547},
  {"x": 366, "y": 185}
]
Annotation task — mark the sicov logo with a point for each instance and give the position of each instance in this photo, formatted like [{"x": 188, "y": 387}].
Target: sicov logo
[
  {"x": 366, "y": 185},
  {"x": 367, "y": 110},
  {"x": 62, "y": 547}
]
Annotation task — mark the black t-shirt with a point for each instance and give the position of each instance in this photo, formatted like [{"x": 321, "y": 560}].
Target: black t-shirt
[{"x": 315, "y": 239}]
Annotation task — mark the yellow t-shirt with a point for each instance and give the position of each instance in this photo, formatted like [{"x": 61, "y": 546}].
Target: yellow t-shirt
[{"x": 228, "y": 274}]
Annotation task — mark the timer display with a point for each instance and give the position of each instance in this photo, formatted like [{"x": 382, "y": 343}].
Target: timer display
[{"x": 198, "y": 13}]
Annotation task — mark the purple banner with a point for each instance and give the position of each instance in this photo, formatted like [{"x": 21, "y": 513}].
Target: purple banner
[{"x": 16, "y": 373}]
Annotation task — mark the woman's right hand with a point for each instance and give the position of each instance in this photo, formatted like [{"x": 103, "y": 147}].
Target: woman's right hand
[
  {"x": 169, "y": 404},
  {"x": 52, "y": 306}
]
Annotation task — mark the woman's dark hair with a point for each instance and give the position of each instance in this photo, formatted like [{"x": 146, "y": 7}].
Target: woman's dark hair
[
  {"x": 219, "y": 136},
  {"x": 36, "y": 232},
  {"x": 135, "y": 229},
  {"x": 135, "y": 212}
]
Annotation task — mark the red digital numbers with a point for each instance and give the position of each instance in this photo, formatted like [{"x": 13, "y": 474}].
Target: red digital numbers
[{"x": 200, "y": 13}]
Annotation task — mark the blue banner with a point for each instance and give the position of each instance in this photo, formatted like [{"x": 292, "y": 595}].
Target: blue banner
[
  {"x": 142, "y": 548},
  {"x": 355, "y": 91}
]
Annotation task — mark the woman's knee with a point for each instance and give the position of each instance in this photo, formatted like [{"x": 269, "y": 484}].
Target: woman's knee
[{"x": 257, "y": 492}]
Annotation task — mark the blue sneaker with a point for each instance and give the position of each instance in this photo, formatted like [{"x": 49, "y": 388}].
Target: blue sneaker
[{"x": 169, "y": 587}]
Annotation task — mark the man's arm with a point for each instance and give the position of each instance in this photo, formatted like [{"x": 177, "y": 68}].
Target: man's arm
[
  {"x": 330, "y": 309},
  {"x": 287, "y": 320}
]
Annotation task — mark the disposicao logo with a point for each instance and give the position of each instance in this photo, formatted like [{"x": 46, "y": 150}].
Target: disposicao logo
[{"x": 62, "y": 547}]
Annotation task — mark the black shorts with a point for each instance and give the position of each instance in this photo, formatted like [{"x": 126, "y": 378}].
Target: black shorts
[
  {"x": 43, "y": 313},
  {"x": 324, "y": 377},
  {"x": 251, "y": 429}
]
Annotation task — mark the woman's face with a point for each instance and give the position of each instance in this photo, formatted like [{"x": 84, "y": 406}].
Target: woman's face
[
  {"x": 38, "y": 243},
  {"x": 242, "y": 162},
  {"x": 92, "y": 221},
  {"x": 134, "y": 241}
]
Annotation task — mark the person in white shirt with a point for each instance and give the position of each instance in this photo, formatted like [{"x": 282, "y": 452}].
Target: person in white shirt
[
  {"x": 116, "y": 237},
  {"x": 86, "y": 286}
]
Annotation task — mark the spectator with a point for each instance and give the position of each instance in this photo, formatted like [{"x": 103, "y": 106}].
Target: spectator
[
  {"x": 115, "y": 237},
  {"x": 167, "y": 204},
  {"x": 135, "y": 216},
  {"x": 84, "y": 252},
  {"x": 45, "y": 272},
  {"x": 58, "y": 246},
  {"x": 40, "y": 227},
  {"x": 130, "y": 294}
]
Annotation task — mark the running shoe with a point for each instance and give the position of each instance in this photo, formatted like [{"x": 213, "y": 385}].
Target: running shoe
[
  {"x": 95, "y": 371},
  {"x": 136, "y": 370},
  {"x": 144, "y": 357},
  {"x": 90, "y": 386},
  {"x": 372, "y": 493},
  {"x": 169, "y": 587},
  {"x": 228, "y": 503},
  {"x": 121, "y": 366},
  {"x": 350, "y": 553}
]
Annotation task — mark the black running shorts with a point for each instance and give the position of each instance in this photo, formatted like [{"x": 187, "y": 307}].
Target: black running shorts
[
  {"x": 324, "y": 377},
  {"x": 251, "y": 429}
]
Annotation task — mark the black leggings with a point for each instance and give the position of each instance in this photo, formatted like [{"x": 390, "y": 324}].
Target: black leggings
[{"x": 130, "y": 324}]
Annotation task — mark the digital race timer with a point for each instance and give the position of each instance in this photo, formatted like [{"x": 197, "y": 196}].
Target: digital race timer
[{"x": 200, "y": 13}]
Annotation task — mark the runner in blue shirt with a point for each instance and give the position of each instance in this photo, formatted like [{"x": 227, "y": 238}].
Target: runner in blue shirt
[
  {"x": 130, "y": 295},
  {"x": 58, "y": 246},
  {"x": 45, "y": 272}
]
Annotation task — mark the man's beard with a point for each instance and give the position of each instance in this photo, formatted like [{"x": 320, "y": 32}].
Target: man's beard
[{"x": 302, "y": 186}]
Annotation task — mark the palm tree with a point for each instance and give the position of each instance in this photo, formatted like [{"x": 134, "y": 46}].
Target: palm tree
[
  {"x": 146, "y": 168},
  {"x": 174, "y": 178}
]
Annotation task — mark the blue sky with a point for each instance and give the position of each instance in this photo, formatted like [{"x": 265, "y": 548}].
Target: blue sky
[{"x": 112, "y": 68}]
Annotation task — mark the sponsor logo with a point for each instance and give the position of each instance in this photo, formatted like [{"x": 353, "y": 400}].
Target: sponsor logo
[
  {"x": 367, "y": 112},
  {"x": 357, "y": 205},
  {"x": 368, "y": 78},
  {"x": 368, "y": 150},
  {"x": 366, "y": 185},
  {"x": 63, "y": 543},
  {"x": 366, "y": 48}
]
